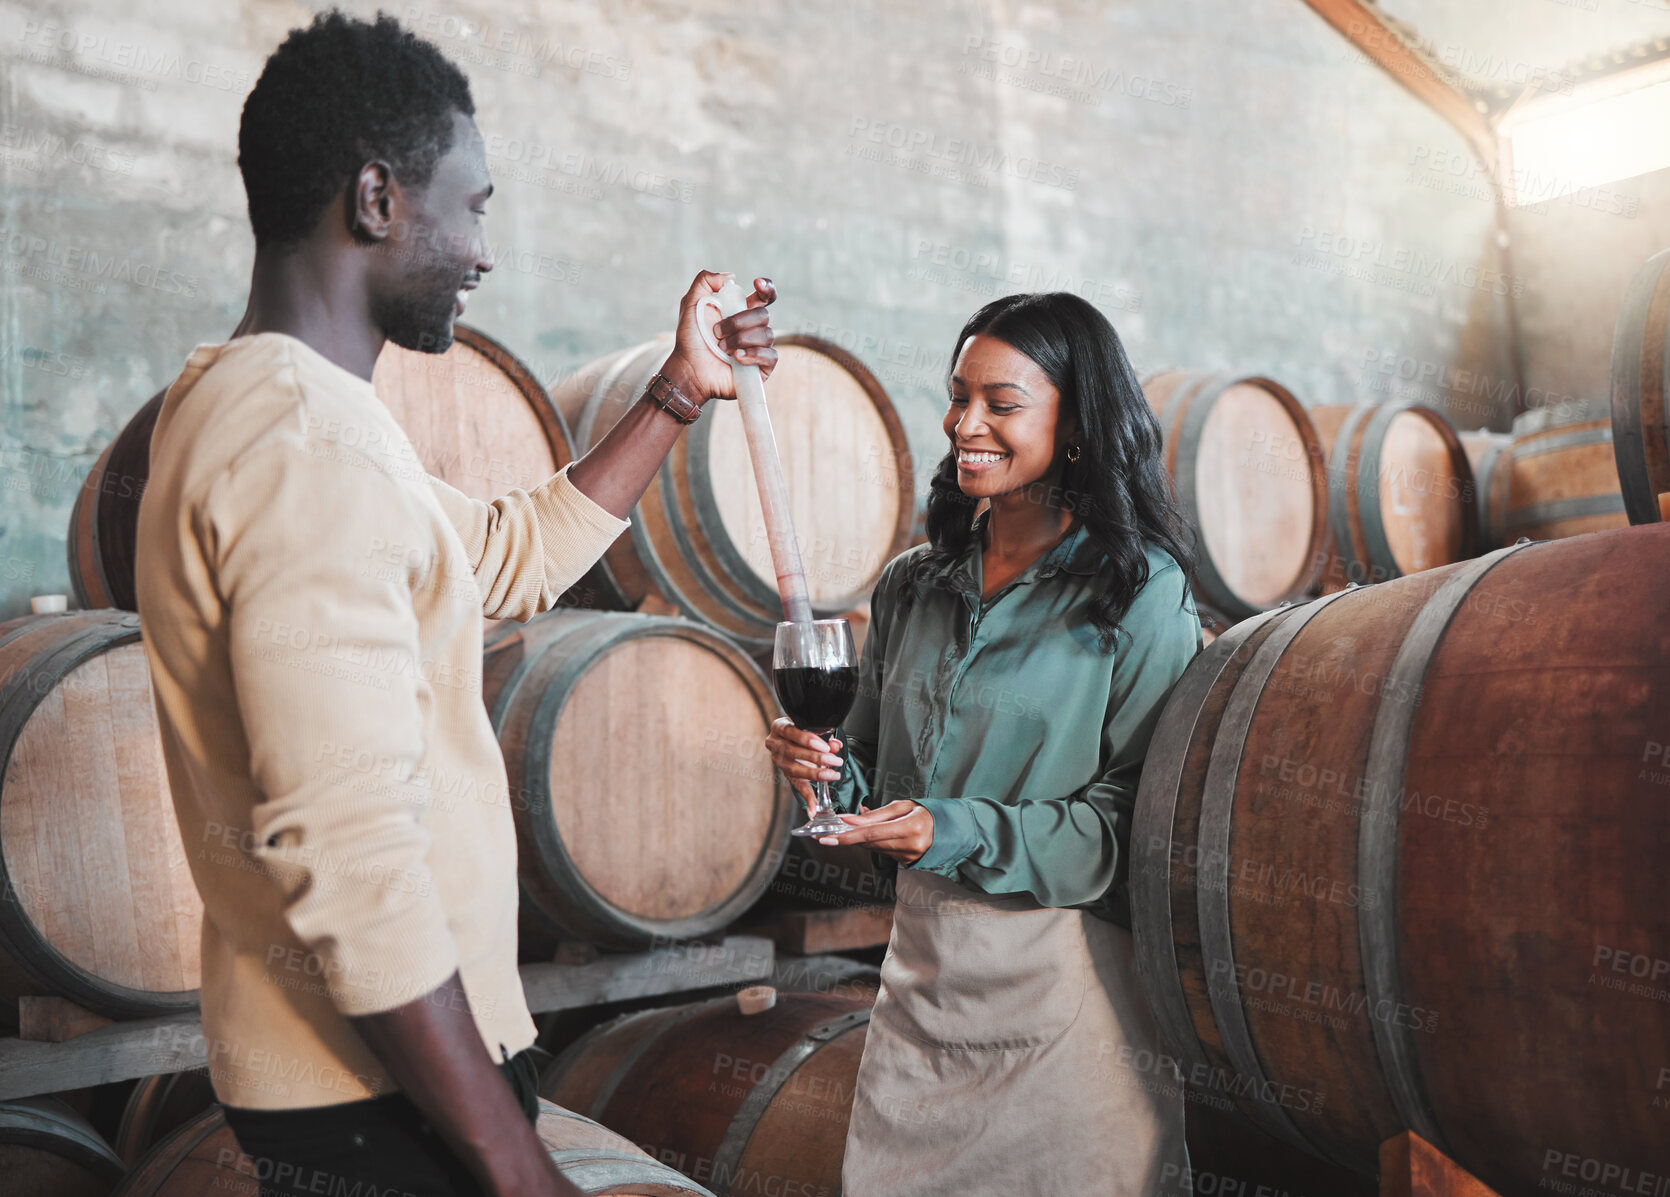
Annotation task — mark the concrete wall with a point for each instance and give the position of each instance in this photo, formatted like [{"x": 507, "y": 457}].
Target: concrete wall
[
  {"x": 1229, "y": 181},
  {"x": 1574, "y": 254},
  {"x": 1577, "y": 255}
]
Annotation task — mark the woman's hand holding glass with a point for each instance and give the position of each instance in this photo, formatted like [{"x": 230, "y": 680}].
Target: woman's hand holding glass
[
  {"x": 903, "y": 830},
  {"x": 803, "y": 757}
]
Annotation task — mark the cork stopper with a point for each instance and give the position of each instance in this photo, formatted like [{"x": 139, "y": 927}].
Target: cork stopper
[{"x": 756, "y": 999}]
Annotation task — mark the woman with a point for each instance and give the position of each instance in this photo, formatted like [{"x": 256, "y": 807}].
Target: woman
[{"x": 1015, "y": 669}]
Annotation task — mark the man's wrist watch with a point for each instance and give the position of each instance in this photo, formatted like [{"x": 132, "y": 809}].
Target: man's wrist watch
[{"x": 664, "y": 394}]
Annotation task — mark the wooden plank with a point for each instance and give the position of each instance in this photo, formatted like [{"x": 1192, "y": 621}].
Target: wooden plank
[
  {"x": 809, "y": 932},
  {"x": 118, "y": 1052},
  {"x": 145, "y": 1047},
  {"x": 672, "y": 969},
  {"x": 1412, "y": 1167},
  {"x": 55, "y": 1020}
]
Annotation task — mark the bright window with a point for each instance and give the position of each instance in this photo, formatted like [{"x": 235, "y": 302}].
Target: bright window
[{"x": 1554, "y": 151}]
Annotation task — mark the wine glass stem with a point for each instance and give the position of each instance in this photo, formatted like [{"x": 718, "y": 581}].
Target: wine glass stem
[{"x": 825, "y": 806}]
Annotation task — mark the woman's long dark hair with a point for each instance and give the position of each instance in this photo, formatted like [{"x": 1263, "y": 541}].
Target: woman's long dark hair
[{"x": 1118, "y": 487}]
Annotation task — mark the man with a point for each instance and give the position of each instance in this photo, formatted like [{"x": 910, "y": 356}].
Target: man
[{"x": 312, "y": 603}]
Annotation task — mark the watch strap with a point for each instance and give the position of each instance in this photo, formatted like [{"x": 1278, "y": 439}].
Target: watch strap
[{"x": 666, "y": 396}]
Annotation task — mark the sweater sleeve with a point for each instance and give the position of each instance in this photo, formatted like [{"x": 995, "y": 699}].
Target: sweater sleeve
[
  {"x": 324, "y": 650},
  {"x": 527, "y": 547},
  {"x": 1071, "y": 850}
]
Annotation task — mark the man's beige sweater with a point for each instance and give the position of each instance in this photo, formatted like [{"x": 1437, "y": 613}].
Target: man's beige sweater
[{"x": 311, "y": 601}]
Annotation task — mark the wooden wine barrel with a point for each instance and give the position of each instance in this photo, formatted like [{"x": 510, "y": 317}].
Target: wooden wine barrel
[
  {"x": 1212, "y": 623},
  {"x": 157, "y": 1107},
  {"x": 814, "y": 876},
  {"x": 1386, "y": 839},
  {"x": 698, "y": 539},
  {"x": 1640, "y": 396},
  {"x": 202, "y": 1159},
  {"x": 1400, "y": 492},
  {"x": 48, "y": 1150},
  {"x": 825, "y": 974},
  {"x": 1563, "y": 477},
  {"x": 101, "y": 1105},
  {"x": 476, "y": 416},
  {"x": 646, "y": 807},
  {"x": 744, "y": 1103},
  {"x": 1250, "y": 476},
  {"x": 1489, "y": 454},
  {"x": 100, "y": 908},
  {"x": 105, "y": 518}
]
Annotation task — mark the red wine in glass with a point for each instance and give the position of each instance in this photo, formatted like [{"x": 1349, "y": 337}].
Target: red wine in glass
[
  {"x": 817, "y": 699},
  {"x": 815, "y": 670}
]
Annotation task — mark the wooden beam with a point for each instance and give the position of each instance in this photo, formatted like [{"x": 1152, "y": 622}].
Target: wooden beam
[
  {"x": 54, "y": 1020},
  {"x": 146, "y": 1047},
  {"x": 672, "y": 969},
  {"x": 1412, "y": 1167},
  {"x": 1367, "y": 28},
  {"x": 119, "y": 1052}
]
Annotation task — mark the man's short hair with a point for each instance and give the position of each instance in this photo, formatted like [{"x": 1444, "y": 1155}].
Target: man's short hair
[{"x": 334, "y": 96}]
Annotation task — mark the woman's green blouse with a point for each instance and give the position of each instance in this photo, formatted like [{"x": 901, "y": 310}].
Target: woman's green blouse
[{"x": 1009, "y": 721}]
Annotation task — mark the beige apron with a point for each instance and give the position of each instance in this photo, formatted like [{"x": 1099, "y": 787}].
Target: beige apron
[{"x": 1011, "y": 1052}]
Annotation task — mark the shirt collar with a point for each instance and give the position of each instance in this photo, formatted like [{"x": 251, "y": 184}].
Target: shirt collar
[{"x": 1077, "y": 553}]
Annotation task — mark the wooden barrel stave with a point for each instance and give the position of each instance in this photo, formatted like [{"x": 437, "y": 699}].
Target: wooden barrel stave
[
  {"x": 105, "y": 518},
  {"x": 690, "y": 547},
  {"x": 1489, "y": 454},
  {"x": 659, "y": 559},
  {"x": 1234, "y": 500},
  {"x": 48, "y": 1150},
  {"x": 203, "y": 1158},
  {"x": 1385, "y": 697},
  {"x": 745, "y": 1103},
  {"x": 85, "y": 814},
  {"x": 1640, "y": 408},
  {"x": 1385, "y": 522},
  {"x": 157, "y": 1107},
  {"x": 477, "y": 419},
  {"x": 814, "y": 876},
  {"x": 1563, "y": 474},
  {"x": 851, "y": 410},
  {"x": 592, "y": 864},
  {"x": 1585, "y": 692}
]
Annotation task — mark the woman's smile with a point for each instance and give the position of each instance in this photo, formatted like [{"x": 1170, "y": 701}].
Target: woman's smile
[{"x": 974, "y": 461}]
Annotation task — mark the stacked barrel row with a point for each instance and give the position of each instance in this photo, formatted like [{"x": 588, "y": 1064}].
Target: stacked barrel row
[
  {"x": 633, "y": 743},
  {"x": 698, "y": 543},
  {"x": 644, "y": 806},
  {"x": 1286, "y": 500},
  {"x": 1388, "y": 837}
]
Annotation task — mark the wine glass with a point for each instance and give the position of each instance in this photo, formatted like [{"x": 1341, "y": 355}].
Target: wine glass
[{"x": 815, "y": 670}]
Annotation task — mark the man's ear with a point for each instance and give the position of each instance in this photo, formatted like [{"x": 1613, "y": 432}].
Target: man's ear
[{"x": 371, "y": 203}]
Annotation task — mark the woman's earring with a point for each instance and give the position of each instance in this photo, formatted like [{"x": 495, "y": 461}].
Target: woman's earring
[{"x": 1074, "y": 452}]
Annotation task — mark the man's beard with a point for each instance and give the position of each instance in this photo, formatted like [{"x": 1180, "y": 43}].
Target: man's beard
[{"x": 420, "y": 319}]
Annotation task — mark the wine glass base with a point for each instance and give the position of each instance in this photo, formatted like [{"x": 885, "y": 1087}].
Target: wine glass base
[{"x": 823, "y": 825}]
